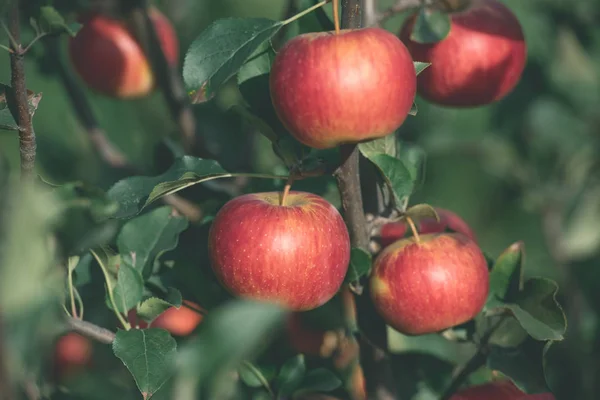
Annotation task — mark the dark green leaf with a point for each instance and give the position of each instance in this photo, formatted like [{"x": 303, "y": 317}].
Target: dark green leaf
[
  {"x": 319, "y": 380},
  {"x": 148, "y": 354},
  {"x": 523, "y": 364},
  {"x": 128, "y": 289},
  {"x": 506, "y": 275},
  {"x": 538, "y": 311},
  {"x": 221, "y": 50},
  {"x": 360, "y": 264},
  {"x": 394, "y": 172},
  {"x": 145, "y": 238},
  {"x": 152, "y": 307},
  {"x": 291, "y": 375},
  {"x": 430, "y": 26},
  {"x": 252, "y": 376},
  {"x": 259, "y": 63},
  {"x": 135, "y": 193}
]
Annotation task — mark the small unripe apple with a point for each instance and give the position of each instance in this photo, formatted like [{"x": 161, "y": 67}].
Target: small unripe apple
[
  {"x": 479, "y": 62},
  {"x": 393, "y": 231},
  {"x": 109, "y": 60},
  {"x": 180, "y": 321},
  {"x": 308, "y": 340},
  {"x": 72, "y": 354},
  {"x": 429, "y": 285},
  {"x": 295, "y": 254},
  {"x": 330, "y": 89},
  {"x": 498, "y": 390}
]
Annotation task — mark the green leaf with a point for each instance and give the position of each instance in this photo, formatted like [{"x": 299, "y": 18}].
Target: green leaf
[
  {"x": 319, "y": 380},
  {"x": 360, "y": 264},
  {"x": 252, "y": 376},
  {"x": 394, "y": 172},
  {"x": 420, "y": 66},
  {"x": 414, "y": 110},
  {"x": 385, "y": 145},
  {"x": 145, "y": 238},
  {"x": 291, "y": 375},
  {"x": 538, "y": 311},
  {"x": 506, "y": 276},
  {"x": 50, "y": 21},
  {"x": 523, "y": 364},
  {"x": 431, "y": 26},
  {"x": 128, "y": 289},
  {"x": 149, "y": 355},
  {"x": 419, "y": 212},
  {"x": 221, "y": 344},
  {"x": 152, "y": 307},
  {"x": 258, "y": 64},
  {"x": 221, "y": 50},
  {"x": 135, "y": 193}
]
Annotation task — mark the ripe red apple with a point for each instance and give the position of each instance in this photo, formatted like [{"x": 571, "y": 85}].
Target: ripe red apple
[
  {"x": 180, "y": 321},
  {"x": 498, "y": 390},
  {"x": 428, "y": 286},
  {"x": 72, "y": 353},
  {"x": 295, "y": 254},
  {"x": 448, "y": 220},
  {"x": 330, "y": 89},
  {"x": 479, "y": 62},
  {"x": 108, "y": 58},
  {"x": 310, "y": 341}
]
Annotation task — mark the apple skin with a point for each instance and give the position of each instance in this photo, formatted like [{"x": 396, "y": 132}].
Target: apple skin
[
  {"x": 107, "y": 57},
  {"x": 294, "y": 255},
  {"x": 479, "y": 62},
  {"x": 426, "y": 287},
  {"x": 498, "y": 390},
  {"x": 72, "y": 353},
  {"x": 178, "y": 321},
  {"x": 448, "y": 220},
  {"x": 330, "y": 89}
]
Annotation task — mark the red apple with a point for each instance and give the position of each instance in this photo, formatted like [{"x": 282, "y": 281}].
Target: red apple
[
  {"x": 330, "y": 89},
  {"x": 431, "y": 285},
  {"x": 448, "y": 220},
  {"x": 109, "y": 59},
  {"x": 498, "y": 390},
  {"x": 72, "y": 353},
  {"x": 180, "y": 321},
  {"x": 295, "y": 255},
  {"x": 310, "y": 341},
  {"x": 479, "y": 62}
]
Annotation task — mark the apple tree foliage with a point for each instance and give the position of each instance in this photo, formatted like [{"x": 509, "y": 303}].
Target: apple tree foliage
[{"x": 93, "y": 239}]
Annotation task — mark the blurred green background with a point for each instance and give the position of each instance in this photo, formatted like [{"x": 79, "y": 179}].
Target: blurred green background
[{"x": 524, "y": 169}]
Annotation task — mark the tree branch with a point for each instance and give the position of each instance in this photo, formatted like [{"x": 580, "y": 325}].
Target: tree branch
[
  {"x": 167, "y": 76},
  {"x": 90, "y": 330},
  {"x": 20, "y": 109},
  {"x": 6, "y": 392}
]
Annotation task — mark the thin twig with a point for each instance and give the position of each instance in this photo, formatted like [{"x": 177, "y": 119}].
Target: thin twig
[
  {"x": 167, "y": 77},
  {"x": 92, "y": 331},
  {"x": 20, "y": 109}
]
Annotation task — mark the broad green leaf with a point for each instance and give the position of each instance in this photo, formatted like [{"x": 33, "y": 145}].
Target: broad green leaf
[
  {"x": 385, "y": 145},
  {"x": 152, "y": 307},
  {"x": 50, "y": 21},
  {"x": 219, "y": 52},
  {"x": 128, "y": 289},
  {"x": 319, "y": 380},
  {"x": 252, "y": 376},
  {"x": 258, "y": 64},
  {"x": 430, "y": 26},
  {"x": 149, "y": 355},
  {"x": 524, "y": 365},
  {"x": 538, "y": 311},
  {"x": 360, "y": 264},
  {"x": 394, "y": 172},
  {"x": 291, "y": 375},
  {"x": 221, "y": 344},
  {"x": 135, "y": 193},
  {"x": 506, "y": 275},
  {"x": 145, "y": 238},
  {"x": 420, "y": 66}
]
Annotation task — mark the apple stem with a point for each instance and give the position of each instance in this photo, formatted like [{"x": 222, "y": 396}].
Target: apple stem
[
  {"x": 336, "y": 16},
  {"x": 413, "y": 228},
  {"x": 286, "y": 189}
]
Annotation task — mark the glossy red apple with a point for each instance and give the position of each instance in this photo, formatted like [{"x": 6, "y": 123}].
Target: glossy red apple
[
  {"x": 498, "y": 390},
  {"x": 180, "y": 321},
  {"x": 330, "y": 89},
  {"x": 109, "y": 60},
  {"x": 308, "y": 340},
  {"x": 448, "y": 220},
  {"x": 428, "y": 286},
  {"x": 295, "y": 255},
  {"x": 479, "y": 62},
  {"x": 72, "y": 353}
]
